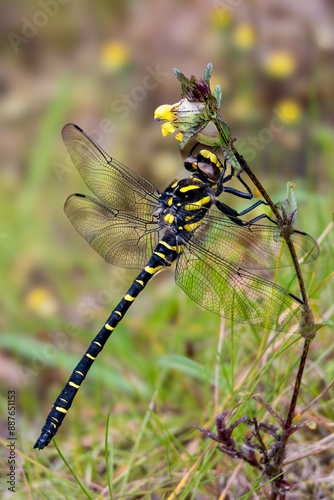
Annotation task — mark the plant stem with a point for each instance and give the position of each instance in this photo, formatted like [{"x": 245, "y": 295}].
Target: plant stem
[
  {"x": 293, "y": 402},
  {"x": 308, "y": 329},
  {"x": 308, "y": 317}
]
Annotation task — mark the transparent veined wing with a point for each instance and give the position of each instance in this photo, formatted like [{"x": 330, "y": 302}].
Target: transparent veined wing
[
  {"x": 252, "y": 246},
  {"x": 113, "y": 183},
  {"x": 226, "y": 288},
  {"x": 120, "y": 237}
]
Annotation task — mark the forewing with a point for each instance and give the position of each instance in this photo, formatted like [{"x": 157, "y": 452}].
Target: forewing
[
  {"x": 113, "y": 183},
  {"x": 234, "y": 293},
  {"x": 254, "y": 246},
  {"x": 119, "y": 237}
]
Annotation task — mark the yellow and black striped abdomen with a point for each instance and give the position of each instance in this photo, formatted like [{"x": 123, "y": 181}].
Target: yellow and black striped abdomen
[{"x": 165, "y": 253}]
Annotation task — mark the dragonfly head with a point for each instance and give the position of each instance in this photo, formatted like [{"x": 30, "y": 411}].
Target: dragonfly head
[{"x": 206, "y": 165}]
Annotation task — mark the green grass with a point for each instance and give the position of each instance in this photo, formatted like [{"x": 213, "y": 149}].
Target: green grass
[{"x": 157, "y": 376}]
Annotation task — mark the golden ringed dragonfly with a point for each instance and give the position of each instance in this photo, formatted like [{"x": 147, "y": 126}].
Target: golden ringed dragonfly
[{"x": 131, "y": 224}]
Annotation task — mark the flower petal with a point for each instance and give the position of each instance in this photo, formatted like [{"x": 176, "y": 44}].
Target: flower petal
[
  {"x": 163, "y": 112},
  {"x": 167, "y": 128}
]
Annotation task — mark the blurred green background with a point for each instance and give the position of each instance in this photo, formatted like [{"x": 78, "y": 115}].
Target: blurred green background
[{"x": 106, "y": 66}]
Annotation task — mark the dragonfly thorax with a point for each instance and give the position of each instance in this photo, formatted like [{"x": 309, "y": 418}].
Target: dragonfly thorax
[{"x": 185, "y": 203}]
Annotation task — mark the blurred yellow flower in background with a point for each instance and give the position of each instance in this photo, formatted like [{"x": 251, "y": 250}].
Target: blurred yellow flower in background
[
  {"x": 114, "y": 56},
  {"x": 280, "y": 64},
  {"x": 289, "y": 110},
  {"x": 221, "y": 17},
  {"x": 40, "y": 300},
  {"x": 244, "y": 36}
]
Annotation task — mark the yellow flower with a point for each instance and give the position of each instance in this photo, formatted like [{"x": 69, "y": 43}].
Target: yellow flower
[
  {"x": 40, "y": 300},
  {"x": 196, "y": 115},
  {"x": 164, "y": 112},
  {"x": 183, "y": 116},
  {"x": 289, "y": 110},
  {"x": 180, "y": 112},
  {"x": 280, "y": 64},
  {"x": 114, "y": 55},
  {"x": 244, "y": 36},
  {"x": 221, "y": 17}
]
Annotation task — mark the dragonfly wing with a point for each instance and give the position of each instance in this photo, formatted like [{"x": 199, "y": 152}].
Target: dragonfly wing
[
  {"x": 113, "y": 183},
  {"x": 233, "y": 292},
  {"x": 254, "y": 246},
  {"x": 121, "y": 238}
]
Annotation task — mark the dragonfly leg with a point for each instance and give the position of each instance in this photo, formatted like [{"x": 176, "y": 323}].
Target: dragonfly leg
[
  {"x": 234, "y": 215},
  {"x": 236, "y": 192},
  {"x": 223, "y": 179},
  {"x": 230, "y": 213},
  {"x": 259, "y": 217},
  {"x": 248, "y": 195}
]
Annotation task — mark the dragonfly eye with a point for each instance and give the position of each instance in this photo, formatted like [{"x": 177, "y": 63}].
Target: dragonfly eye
[
  {"x": 206, "y": 164},
  {"x": 211, "y": 171},
  {"x": 191, "y": 164}
]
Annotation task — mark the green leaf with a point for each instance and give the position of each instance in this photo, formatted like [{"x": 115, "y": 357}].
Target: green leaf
[
  {"x": 208, "y": 72},
  {"x": 227, "y": 130},
  {"x": 218, "y": 95},
  {"x": 186, "y": 137},
  {"x": 187, "y": 366},
  {"x": 288, "y": 208},
  {"x": 232, "y": 158},
  {"x": 109, "y": 459},
  {"x": 180, "y": 76},
  {"x": 83, "y": 489}
]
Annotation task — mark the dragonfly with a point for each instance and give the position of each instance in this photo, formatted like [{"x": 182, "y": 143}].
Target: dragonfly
[{"x": 215, "y": 252}]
